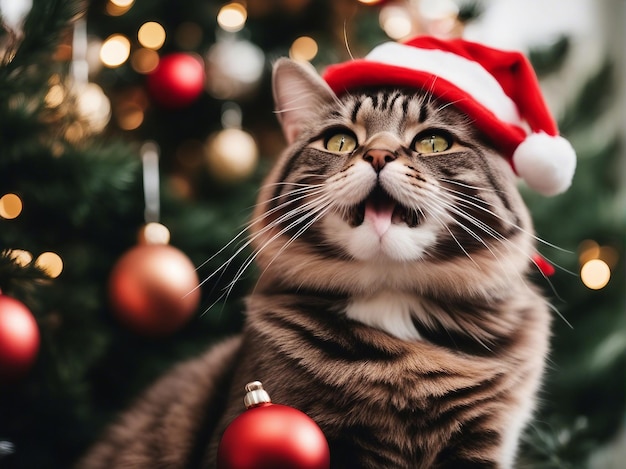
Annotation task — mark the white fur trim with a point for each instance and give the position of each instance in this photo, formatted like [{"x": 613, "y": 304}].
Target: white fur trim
[
  {"x": 466, "y": 74},
  {"x": 546, "y": 163}
]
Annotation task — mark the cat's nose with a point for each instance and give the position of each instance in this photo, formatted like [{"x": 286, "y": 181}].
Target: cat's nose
[{"x": 379, "y": 158}]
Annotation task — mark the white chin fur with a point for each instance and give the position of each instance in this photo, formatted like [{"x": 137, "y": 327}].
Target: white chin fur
[{"x": 398, "y": 243}]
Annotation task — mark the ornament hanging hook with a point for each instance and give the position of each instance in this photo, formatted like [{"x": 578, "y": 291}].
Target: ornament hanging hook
[
  {"x": 80, "y": 66},
  {"x": 150, "y": 160}
]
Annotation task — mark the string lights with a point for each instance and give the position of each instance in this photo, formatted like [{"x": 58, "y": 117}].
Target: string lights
[
  {"x": 11, "y": 207},
  {"x": 232, "y": 17},
  {"x": 596, "y": 263}
]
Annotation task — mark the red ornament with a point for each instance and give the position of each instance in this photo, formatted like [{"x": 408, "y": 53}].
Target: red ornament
[
  {"x": 270, "y": 436},
  {"x": 19, "y": 339},
  {"x": 177, "y": 81},
  {"x": 154, "y": 290}
]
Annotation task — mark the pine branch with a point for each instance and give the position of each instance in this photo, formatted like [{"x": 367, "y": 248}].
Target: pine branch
[{"x": 42, "y": 32}]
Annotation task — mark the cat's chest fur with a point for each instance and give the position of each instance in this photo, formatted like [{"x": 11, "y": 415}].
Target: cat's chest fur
[
  {"x": 386, "y": 401},
  {"x": 389, "y": 310}
]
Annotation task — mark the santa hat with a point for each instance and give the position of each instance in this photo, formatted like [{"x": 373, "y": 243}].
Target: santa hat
[{"x": 497, "y": 89}]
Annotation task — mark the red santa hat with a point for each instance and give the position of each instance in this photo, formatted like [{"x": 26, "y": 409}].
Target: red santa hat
[{"x": 497, "y": 89}]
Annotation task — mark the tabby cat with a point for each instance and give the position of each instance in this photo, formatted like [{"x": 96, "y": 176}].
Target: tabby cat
[{"x": 393, "y": 305}]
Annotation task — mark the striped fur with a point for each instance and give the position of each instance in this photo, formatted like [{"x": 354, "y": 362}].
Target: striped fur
[{"x": 393, "y": 304}]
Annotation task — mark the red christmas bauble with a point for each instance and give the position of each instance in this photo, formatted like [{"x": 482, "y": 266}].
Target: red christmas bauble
[
  {"x": 270, "y": 436},
  {"x": 177, "y": 81},
  {"x": 153, "y": 289},
  {"x": 19, "y": 339}
]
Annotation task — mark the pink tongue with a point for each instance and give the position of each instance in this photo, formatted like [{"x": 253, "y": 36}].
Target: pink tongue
[{"x": 379, "y": 215}]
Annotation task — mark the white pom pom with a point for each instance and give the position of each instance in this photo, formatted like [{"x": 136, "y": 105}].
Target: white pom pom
[{"x": 546, "y": 163}]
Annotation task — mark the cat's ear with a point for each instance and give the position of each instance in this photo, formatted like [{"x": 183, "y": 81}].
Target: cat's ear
[{"x": 299, "y": 92}]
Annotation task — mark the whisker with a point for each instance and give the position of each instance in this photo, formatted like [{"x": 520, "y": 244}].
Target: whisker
[
  {"x": 496, "y": 235},
  {"x": 251, "y": 257},
  {"x": 463, "y": 198},
  {"x": 247, "y": 225},
  {"x": 245, "y": 244},
  {"x": 284, "y": 230},
  {"x": 433, "y": 211}
]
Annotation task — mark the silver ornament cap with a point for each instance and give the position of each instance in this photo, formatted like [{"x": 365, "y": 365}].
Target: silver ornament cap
[{"x": 255, "y": 395}]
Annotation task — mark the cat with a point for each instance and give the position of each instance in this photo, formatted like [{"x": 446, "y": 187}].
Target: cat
[{"x": 393, "y": 306}]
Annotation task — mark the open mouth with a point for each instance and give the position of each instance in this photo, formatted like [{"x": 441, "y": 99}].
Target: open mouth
[{"x": 380, "y": 206}]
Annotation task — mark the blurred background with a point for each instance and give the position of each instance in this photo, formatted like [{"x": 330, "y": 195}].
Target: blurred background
[{"x": 125, "y": 125}]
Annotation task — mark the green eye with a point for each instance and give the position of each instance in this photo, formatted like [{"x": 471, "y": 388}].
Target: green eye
[
  {"x": 340, "y": 142},
  {"x": 431, "y": 143}
]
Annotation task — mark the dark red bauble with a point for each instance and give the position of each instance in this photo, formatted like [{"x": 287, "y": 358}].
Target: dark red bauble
[
  {"x": 273, "y": 436},
  {"x": 177, "y": 81},
  {"x": 19, "y": 339},
  {"x": 153, "y": 289}
]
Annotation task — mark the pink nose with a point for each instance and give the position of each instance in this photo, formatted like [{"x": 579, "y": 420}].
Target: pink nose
[{"x": 379, "y": 158}]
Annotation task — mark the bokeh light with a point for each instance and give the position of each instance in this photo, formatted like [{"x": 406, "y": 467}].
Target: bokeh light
[
  {"x": 232, "y": 17},
  {"x": 20, "y": 257},
  {"x": 395, "y": 21},
  {"x": 129, "y": 116},
  {"x": 595, "y": 274},
  {"x": 118, "y": 7},
  {"x": 115, "y": 50},
  {"x": 304, "y": 48},
  {"x": 93, "y": 106},
  {"x": 10, "y": 206},
  {"x": 55, "y": 96},
  {"x": 144, "y": 60},
  {"x": 51, "y": 263},
  {"x": 151, "y": 35}
]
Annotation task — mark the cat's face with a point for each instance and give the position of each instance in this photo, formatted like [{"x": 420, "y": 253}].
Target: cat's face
[{"x": 385, "y": 183}]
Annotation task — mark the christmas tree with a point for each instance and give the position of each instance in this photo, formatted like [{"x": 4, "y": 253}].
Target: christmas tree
[{"x": 84, "y": 116}]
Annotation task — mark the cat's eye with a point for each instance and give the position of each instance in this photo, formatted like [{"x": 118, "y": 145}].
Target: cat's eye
[
  {"x": 429, "y": 143},
  {"x": 340, "y": 142}
]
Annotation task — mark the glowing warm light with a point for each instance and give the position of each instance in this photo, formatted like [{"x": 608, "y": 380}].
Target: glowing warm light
[
  {"x": 144, "y": 60},
  {"x": 10, "y": 206},
  {"x": 304, "y": 48},
  {"x": 74, "y": 132},
  {"x": 129, "y": 117},
  {"x": 609, "y": 255},
  {"x": 370, "y": 2},
  {"x": 115, "y": 50},
  {"x": 55, "y": 96},
  {"x": 93, "y": 106},
  {"x": 588, "y": 250},
  {"x": 232, "y": 17},
  {"x": 151, "y": 35},
  {"x": 595, "y": 274},
  {"x": 395, "y": 21},
  {"x": 20, "y": 257},
  {"x": 51, "y": 263},
  {"x": 118, "y": 7}
]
